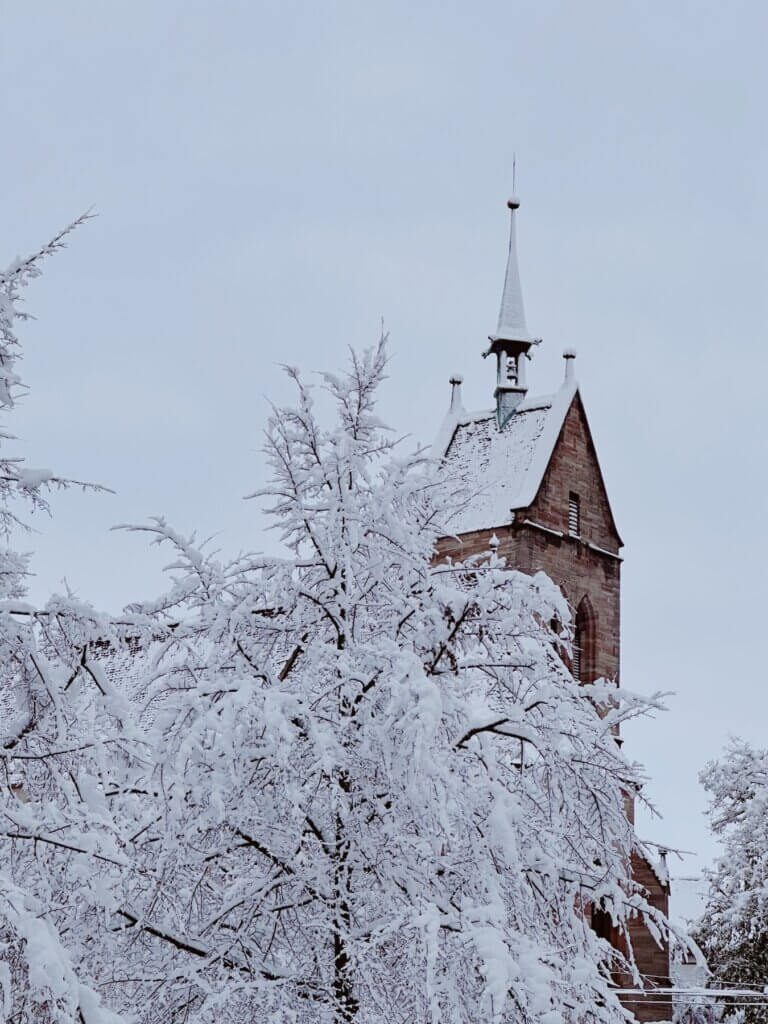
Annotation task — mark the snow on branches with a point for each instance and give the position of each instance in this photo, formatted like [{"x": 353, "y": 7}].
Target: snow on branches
[
  {"x": 64, "y": 731},
  {"x": 376, "y": 792},
  {"x": 18, "y": 482},
  {"x": 733, "y": 931},
  {"x": 345, "y": 785}
]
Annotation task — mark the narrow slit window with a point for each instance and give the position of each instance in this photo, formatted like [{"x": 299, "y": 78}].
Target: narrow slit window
[
  {"x": 576, "y": 667},
  {"x": 574, "y": 515}
]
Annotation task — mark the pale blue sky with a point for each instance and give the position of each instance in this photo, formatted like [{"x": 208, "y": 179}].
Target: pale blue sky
[{"x": 273, "y": 177}]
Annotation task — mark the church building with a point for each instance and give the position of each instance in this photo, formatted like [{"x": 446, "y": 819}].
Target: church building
[{"x": 539, "y": 498}]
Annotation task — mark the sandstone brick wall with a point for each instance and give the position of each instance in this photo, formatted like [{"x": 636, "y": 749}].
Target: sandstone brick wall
[
  {"x": 574, "y": 467},
  {"x": 586, "y": 577},
  {"x": 652, "y": 959}
]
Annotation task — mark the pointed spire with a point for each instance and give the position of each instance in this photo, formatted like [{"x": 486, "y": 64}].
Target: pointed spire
[
  {"x": 511, "y": 342},
  {"x": 512, "y": 325}
]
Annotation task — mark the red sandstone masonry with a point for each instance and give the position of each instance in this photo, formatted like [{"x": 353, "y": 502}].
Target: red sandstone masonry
[{"x": 652, "y": 959}]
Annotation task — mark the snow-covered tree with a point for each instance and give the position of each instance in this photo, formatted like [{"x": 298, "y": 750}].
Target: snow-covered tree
[
  {"x": 733, "y": 931},
  {"x": 347, "y": 784},
  {"x": 373, "y": 791},
  {"x": 54, "y": 738}
]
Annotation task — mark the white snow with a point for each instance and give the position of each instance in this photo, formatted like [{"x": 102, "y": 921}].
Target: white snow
[
  {"x": 31, "y": 479},
  {"x": 343, "y": 747},
  {"x": 500, "y": 470}
]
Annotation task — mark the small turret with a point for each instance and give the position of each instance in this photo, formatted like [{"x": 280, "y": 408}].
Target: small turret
[
  {"x": 569, "y": 356},
  {"x": 457, "y": 405},
  {"x": 512, "y": 341}
]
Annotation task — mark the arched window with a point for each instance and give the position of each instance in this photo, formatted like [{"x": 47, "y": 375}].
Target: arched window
[
  {"x": 583, "y": 657},
  {"x": 602, "y": 924}
]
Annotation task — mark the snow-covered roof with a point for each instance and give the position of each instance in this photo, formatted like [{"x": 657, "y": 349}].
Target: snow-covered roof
[{"x": 500, "y": 470}]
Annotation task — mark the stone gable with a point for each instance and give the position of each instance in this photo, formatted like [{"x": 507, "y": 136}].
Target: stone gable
[{"x": 574, "y": 467}]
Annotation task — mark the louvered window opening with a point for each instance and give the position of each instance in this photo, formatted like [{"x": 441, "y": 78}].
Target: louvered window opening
[
  {"x": 574, "y": 515},
  {"x": 576, "y": 671}
]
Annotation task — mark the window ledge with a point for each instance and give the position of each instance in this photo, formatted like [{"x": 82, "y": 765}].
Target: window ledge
[{"x": 574, "y": 537}]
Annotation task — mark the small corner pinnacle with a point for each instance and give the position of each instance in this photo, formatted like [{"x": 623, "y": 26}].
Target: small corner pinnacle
[
  {"x": 456, "y": 380},
  {"x": 569, "y": 355}
]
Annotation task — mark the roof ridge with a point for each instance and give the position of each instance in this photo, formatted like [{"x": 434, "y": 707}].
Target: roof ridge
[
  {"x": 501, "y": 470},
  {"x": 545, "y": 446}
]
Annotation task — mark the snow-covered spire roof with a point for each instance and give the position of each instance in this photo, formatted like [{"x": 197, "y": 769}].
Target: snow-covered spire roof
[{"x": 512, "y": 325}]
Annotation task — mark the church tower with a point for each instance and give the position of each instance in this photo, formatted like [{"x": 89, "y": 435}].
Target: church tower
[{"x": 533, "y": 479}]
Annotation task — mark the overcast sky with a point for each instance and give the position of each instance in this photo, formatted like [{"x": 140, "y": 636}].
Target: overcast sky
[{"x": 272, "y": 178}]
